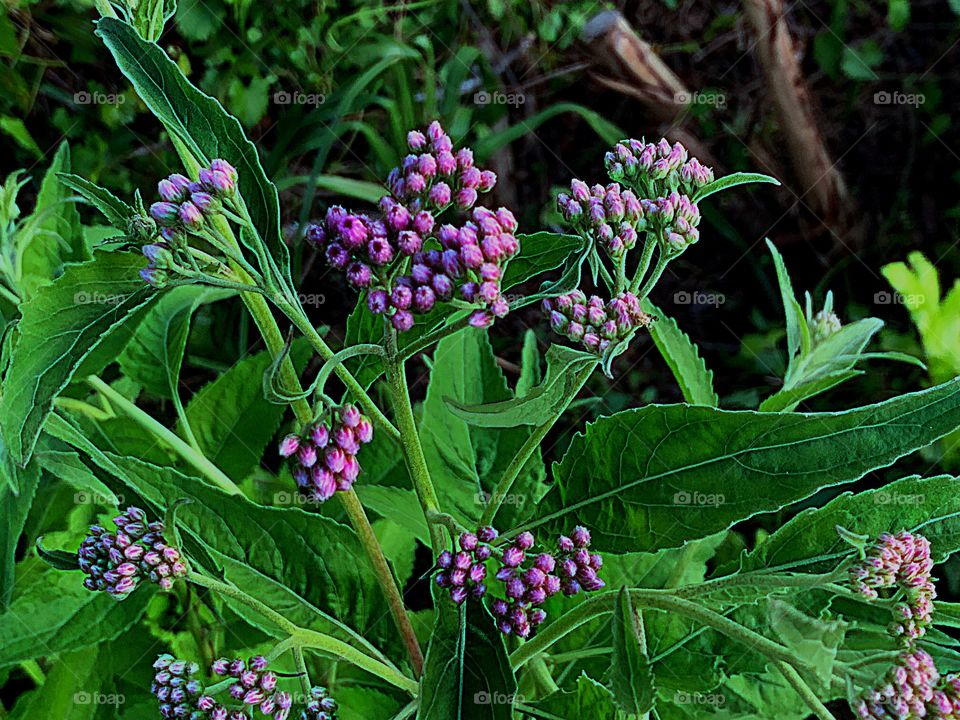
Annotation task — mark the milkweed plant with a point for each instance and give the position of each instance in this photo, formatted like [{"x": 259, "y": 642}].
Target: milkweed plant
[{"x": 300, "y": 539}]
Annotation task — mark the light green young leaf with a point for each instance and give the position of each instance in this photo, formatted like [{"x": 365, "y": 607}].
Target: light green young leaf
[
  {"x": 729, "y": 181},
  {"x": 815, "y": 640},
  {"x": 798, "y": 334},
  {"x": 60, "y": 326},
  {"x": 683, "y": 358},
  {"x": 115, "y": 210},
  {"x": 658, "y": 476}
]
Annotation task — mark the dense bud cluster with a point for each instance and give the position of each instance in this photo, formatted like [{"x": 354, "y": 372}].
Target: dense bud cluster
[
  {"x": 677, "y": 218},
  {"x": 463, "y": 572},
  {"x": 528, "y": 581},
  {"x": 320, "y": 706},
  {"x": 578, "y": 567},
  {"x": 592, "y": 322},
  {"x": 179, "y": 692},
  {"x": 900, "y": 561},
  {"x": 912, "y": 688},
  {"x": 657, "y": 168},
  {"x": 255, "y": 686},
  {"x": 405, "y": 259},
  {"x": 323, "y": 456},
  {"x": 117, "y": 561},
  {"x": 612, "y": 215},
  {"x": 825, "y": 323},
  {"x": 184, "y": 207}
]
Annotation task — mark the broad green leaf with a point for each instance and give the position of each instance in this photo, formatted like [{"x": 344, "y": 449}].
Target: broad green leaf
[
  {"x": 471, "y": 459},
  {"x": 60, "y": 326},
  {"x": 361, "y": 703},
  {"x": 787, "y": 399},
  {"x": 154, "y": 355},
  {"x": 466, "y": 674},
  {"x": 589, "y": 701},
  {"x": 539, "y": 253},
  {"x": 51, "y": 236},
  {"x": 683, "y": 358},
  {"x": 810, "y": 541},
  {"x": 729, "y": 181},
  {"x": 232, "y": 420},
  {"x": 14, "y": 507},
  {"x": 324, "y": 584},
  {"x": 115, "y": 210},
  {"x": 200, "y": 123},
  {"x": 53, "y": 613},
  {"x": 659, "y": 476},
  {"x": 69, "y": 691},
  {"x": 542, "y": 403},
  {"x": 631, "y": 675}
]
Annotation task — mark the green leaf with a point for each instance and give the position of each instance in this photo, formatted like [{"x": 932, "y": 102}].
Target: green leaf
[
  {"x": 683, "y": 359},
  {"x": 58, "y": 559},
  {"x": 154, "y": 355},
  {"x": 14, "y": 507},
  {"x": 232, "y": 420},
  {"x": 539, "y": 405},
  {"x": 53, "y": 613},
  {"x": 60, "y": 326},
  {"x": 729, "y": 181},
  {"x": 201, "y": 124},
  {"x": 539, "y": 253},
  {"x": 659, "y": 476},
  {"x": 631, "y": 675},
  {"x": 117, "y": 212},
  {"x": 859, "y": 63},
  {"x": 798, "y": 334},
  {"x": 810, "y": 541},
  {"x": 589, "y": 701},
  {"x": 471, "y": 459},
  {"x": 466, "y": 674},
  {"x": 66, "y": 690},
  {"x": 898, "y": 14},
  {"x": 815, "y": 640}
]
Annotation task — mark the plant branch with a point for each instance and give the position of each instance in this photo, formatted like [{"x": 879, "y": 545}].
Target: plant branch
[{"x": 803, "y": 690}]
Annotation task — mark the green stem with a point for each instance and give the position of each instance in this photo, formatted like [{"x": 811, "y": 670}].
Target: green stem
[
  {"x": 654, "y": 276},
  {"x": 656, "y": 600},
  {"x": 410, "y": 440},
  {"x": 360, "y": 522},
  {"x": 436, "y": 336},
  {"x": 755, "y": 580},
  {"x": 302, "y": 672},
  {"x": 649, "y": 246},
  {"x": 306, "y": 638},
  {"x": 529, "y": 447},
  {"x": 192, "y": 456},
  {"x": 297, "y": 317},
  {"x": 342, "y": 356},
  {"x": 803, "y": 690}
]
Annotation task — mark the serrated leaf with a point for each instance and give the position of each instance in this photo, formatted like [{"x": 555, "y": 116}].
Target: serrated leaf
[
  {"x": 589, "y": 701},
  {"x": 539, "y": 253},
  {"x": 466, "y": 674},
  {"x": 683, "y": 358},
  {"x": 115, "y": 210},
  {"x": 201, "y": 124},
  {"x": 631, "y": 674},
  {"x": 815, "y": 640},
  {"x": 60, "y": 326},
  {"x": 541, "y": 403},
  {"x": 798, "y": 334},
  {"x": 729, "y": 181},
  {"x": 658, "y": 476}
]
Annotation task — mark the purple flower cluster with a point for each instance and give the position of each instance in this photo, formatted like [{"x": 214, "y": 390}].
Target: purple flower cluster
[
  {"x": 900, "y": 561},
  {"x": 324, "y": 455},
  {"x": 179, "y": 692},
  {"x": 612, "y": 215},
  {"x": 255, "y": 686},
  {"x": 912, "y": 688},
  {"x": 591, "y": 322},
  {"x": 116, "y": 561},
  {"x": 464, "y": 572},
  {"x": 657, "y": 167},
  {"x": 530, "y": 579},
  {"x": 404, "y": 258},
  {"x": 184, "y": 206},
  {"x": 320, "y": 706}
]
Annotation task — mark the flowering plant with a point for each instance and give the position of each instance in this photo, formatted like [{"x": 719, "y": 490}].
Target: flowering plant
[{"x": 413, "y": 554}]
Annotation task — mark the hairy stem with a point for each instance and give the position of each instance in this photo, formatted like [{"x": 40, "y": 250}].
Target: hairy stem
[
  {"x": 805, "y": 692},
  {"x": 654, "y": 276},
  {"x": 528, "y": 448},
  {"x": 197, "y": 459},
  {"x": 305, "y": 638}
]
